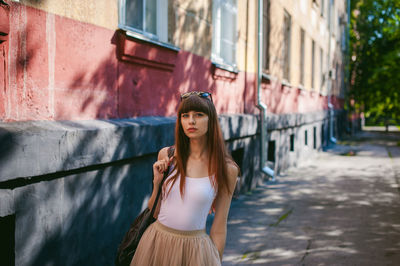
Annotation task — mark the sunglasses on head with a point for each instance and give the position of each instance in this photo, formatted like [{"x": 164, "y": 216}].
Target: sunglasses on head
[{"x": 202, "y": 94}]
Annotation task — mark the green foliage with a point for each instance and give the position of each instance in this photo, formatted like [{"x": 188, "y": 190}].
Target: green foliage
[{"x": 375, "y": 64}]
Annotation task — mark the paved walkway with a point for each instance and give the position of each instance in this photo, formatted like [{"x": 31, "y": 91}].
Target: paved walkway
[{"x": 341, "y": 208}]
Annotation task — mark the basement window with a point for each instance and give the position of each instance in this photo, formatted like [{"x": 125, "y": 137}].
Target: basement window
[
  {"x": 315, "y": 137},
  {"x": 271, "y": 151},
  {"x": 7, "y": 240},
  {"x": 291, "y": 142},
  {"x": 306, "y": 137},
  {"x": 237, "y": 156}
]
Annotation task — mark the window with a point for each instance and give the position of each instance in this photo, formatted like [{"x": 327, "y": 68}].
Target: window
[
  {"x": 146, "y": 17},
  {"x": 237, "y": 156},
  {"x": 315, "y": 137},
  {"x": 312, "y": 64},
  {"x": 322, "y": 7},
  {"x": 224, "y": 32},
  {"x": 306, "y": 137},
  {"x": 321, "y": 67},
  {"x": 291, "y": 142},
  {"x": 302, "y": 55},
  {"x": 343, "y": 37},
  {"x": 7, "y": 242},
  {"x": 271, "y": 151},
  {"x": 330, "y": 13},
  {"x": 287, "y": 22},
  {"x": 266, "y": 29}
]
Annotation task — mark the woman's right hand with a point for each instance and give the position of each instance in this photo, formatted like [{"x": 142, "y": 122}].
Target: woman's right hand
[{"x": 159, "y": 168}]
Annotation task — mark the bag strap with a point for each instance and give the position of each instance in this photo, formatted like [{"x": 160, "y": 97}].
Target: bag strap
[{"x": 171, "y": 150}]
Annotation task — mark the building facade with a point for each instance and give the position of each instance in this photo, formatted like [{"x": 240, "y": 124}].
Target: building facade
[{"x": 89, "y": 90}]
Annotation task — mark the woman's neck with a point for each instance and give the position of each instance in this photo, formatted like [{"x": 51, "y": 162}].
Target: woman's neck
[{"x": 198, "y": 148}]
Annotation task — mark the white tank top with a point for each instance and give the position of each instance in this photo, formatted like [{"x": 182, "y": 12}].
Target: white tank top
[{"x": 190, "y": 212}]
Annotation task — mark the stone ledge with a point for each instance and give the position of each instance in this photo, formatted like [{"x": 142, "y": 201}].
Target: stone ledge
[
  {"x": 236, "y": 126},
  {"x": 276, "y": 122},
  {"x": 37, "y": 148},
  {"x": 42, "y": 147}
]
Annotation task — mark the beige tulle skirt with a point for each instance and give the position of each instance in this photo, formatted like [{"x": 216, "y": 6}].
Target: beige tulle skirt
[{"x": 164, "y": 246}]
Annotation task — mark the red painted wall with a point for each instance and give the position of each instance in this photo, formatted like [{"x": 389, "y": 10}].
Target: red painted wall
[
  {"x": 63, "y": 69},
  {"x": 4, "y": 31}
]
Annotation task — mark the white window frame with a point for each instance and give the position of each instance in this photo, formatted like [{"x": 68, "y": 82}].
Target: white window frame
[
  {"x": 302, "y": 55},
  {"x": 313, "y": 47},
  {"x": 322, "y": 8},
  {"x": 286, "y": 52},
  {"x": 266, "y": 40},
  {"x": 162, "y": 21},
  {"x": 321, "y": 67},
  {"x": 218, "y": 26}
]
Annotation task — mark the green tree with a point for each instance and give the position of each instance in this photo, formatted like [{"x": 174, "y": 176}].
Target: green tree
[{"x": 375, "y": 58}]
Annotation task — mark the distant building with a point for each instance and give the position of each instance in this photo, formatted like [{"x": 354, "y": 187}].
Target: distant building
[{"x": 89, "y": 90}]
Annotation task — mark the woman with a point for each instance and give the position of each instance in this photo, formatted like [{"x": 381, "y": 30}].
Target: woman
[{"x": 203, "y": 177}]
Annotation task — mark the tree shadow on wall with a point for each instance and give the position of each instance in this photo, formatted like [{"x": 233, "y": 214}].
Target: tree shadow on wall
[{"x": 78, "y": 217}]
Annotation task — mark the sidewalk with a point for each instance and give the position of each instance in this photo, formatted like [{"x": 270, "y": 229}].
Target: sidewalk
[{"x": 335, "y": 210}]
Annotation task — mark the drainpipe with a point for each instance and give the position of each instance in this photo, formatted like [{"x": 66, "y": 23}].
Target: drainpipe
[
  {"x": 329, "y": 83},
  {"x": 260, "y": 105}
]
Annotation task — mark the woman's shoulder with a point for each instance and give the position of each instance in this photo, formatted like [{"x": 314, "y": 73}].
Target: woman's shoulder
[
  {"x": 163, "y": 153},
  {"x": 233, "y": 169}
]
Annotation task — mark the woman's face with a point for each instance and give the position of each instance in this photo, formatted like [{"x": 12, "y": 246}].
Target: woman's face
[{"x": 194, "y": 124}]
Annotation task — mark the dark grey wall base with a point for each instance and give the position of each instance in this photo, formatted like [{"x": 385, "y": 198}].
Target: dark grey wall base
[
  {"x": 74, "y": 187},
  {"x": 42, "y": 147}
]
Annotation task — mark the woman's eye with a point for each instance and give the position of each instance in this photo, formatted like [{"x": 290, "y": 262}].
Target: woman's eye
[
  {"x": 199, "y": 114},
  {"x": 185, "y": 115}
]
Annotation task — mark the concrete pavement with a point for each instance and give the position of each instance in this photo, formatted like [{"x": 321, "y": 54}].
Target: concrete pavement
[{"x": 340, "y": 208}]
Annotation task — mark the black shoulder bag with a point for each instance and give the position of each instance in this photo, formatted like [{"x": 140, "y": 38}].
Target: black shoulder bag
[{"x": 129, "y": 243}]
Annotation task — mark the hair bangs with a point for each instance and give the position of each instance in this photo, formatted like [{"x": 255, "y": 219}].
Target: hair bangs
[{"x": 194, "y": 103}]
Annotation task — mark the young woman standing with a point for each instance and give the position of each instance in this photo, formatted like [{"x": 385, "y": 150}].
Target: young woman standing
[{"x": 203, "y": 177}]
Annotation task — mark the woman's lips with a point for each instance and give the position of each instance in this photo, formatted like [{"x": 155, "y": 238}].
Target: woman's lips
[{"x": 192, "y": 129}]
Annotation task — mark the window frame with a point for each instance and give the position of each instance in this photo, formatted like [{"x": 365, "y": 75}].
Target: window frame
[
  {"x": 266, "y": 31},
  {"x": 161, "y": 35},
  {"x": 287, "y": 32},
  {"x": 322, "y": 8},
  {"x": 216, "y": 56},
  {"x": 313, "y": 44},
  {"x": 321, "y": 67},
  {"x": 302, "y": 55}
]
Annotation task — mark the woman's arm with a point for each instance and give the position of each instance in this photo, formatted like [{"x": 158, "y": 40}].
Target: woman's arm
[
  {"x": 222, "y": 205},
  {"x": 159, "y": 167}
]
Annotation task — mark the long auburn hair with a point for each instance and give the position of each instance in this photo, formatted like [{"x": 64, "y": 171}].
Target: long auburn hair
[{"x": 217, "y": 151}]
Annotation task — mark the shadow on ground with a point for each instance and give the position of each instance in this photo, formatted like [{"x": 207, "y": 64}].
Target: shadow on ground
[{"x": 336, "y": 210}]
